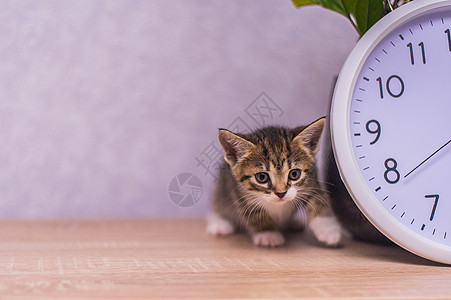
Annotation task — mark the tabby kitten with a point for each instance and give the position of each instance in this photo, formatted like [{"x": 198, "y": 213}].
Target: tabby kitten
[{"x": 270, "y": 179}]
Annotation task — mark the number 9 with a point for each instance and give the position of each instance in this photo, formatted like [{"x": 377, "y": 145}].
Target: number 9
[{"x": 376, "y": 131}]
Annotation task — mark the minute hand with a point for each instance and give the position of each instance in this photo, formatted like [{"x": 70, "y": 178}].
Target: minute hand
[{"x": 435, "y": 152}]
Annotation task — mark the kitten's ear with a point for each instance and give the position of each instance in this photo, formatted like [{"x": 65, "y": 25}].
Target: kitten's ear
[
  {"x": 310, "y": 135},
  {"x": 235, "y": 147}
]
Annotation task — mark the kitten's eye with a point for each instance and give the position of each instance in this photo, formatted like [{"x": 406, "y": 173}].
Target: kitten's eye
[
  {"x": 294, "y": 174},
  {"x": 262, "y": 177}
]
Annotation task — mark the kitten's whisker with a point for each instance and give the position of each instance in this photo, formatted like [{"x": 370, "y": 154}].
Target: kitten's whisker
[
  {"x": 316, "y": 190},
  {"x": 317, "y": 194},
  {"x": 234, "y": 189},
  {"x": 317, "y": 198},
  {"x": 243, "y": 207},
  {"x": 262, "y": 214},
  {"x": 325, "y": 183},
  {"x": 259, "y": 213},
  {"x": 253, "y": 205},
  {"x": 307, "y": 203}
]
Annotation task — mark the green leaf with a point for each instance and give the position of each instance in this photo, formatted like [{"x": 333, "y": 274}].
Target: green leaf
[
  {"x": 367, "y": 13},
  {"x": 361, "y": 13},
  {"x": 334, "y": 5},
  {"x": 350, "y": 6}
]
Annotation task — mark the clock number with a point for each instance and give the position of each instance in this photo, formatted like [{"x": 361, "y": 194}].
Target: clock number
[
  {"x": 435, "y": 205},
  {"x": 390, "y": 166},
  {"x": 389, "y": 86},
  {"x": 381, "y": 88},
  {"x": 449, "y": 38},
  {"x": 412, "y": 61},
  {"x": 423, "y": 54},
  {"x": 376, "y": 131}
]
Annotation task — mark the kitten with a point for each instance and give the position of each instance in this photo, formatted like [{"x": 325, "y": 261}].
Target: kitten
[{"x": 270, "y": 176}]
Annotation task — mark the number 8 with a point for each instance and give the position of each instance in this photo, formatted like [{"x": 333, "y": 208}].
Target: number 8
[{"x": 391, "y": 170}]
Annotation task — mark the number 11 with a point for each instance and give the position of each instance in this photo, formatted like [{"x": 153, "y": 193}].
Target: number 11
[
  {"x": 449, "y": 38},
  {"x": 423, "y": 54}
]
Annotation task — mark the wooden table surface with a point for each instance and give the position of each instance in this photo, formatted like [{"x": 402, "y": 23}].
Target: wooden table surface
[{"x": 175, "y": 259}]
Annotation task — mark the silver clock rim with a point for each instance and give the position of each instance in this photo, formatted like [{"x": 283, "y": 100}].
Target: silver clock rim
[{"x": 341, "y": 136}]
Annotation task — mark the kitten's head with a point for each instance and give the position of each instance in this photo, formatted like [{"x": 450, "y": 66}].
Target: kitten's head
[{"x": 275, "y": 164}]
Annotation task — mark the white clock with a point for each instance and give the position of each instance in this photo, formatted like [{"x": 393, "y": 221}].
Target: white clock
[{"x": 391, "y": 127}]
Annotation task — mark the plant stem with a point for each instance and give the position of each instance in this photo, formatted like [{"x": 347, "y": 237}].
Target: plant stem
[{"x": 348, "y": 15}]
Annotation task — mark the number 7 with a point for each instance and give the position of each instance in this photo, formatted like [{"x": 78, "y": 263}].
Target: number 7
[{"x": 435, "y": 204}]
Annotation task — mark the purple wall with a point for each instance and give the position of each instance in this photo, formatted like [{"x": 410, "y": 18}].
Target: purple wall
[{"x": 103, "y": 103}]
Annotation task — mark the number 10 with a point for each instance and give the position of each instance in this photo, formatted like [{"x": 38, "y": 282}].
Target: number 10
[{"x": 389, "y": 86}]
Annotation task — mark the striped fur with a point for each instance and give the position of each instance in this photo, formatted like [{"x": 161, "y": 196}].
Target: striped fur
[{"x": 259, "y": 207}]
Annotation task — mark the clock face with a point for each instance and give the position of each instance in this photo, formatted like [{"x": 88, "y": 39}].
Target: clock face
[
  {"x": 400, "y": 124},
  {"x": 391, "y": 127}
]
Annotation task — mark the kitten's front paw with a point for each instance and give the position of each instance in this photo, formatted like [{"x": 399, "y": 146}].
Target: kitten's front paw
[
  {"x": 268, "y": 239},
  {"x": 218, "y": 226},
  {"x": 327, "y": 230}
]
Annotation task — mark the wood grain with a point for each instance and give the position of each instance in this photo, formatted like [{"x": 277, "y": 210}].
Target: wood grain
[{"x": 175, "y": 259}]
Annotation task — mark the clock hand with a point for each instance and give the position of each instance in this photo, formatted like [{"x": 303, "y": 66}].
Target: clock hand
[{"x": 435, "y": 152}]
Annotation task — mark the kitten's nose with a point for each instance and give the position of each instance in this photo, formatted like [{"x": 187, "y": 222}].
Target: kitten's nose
[{"x": 281, "y": 195}]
